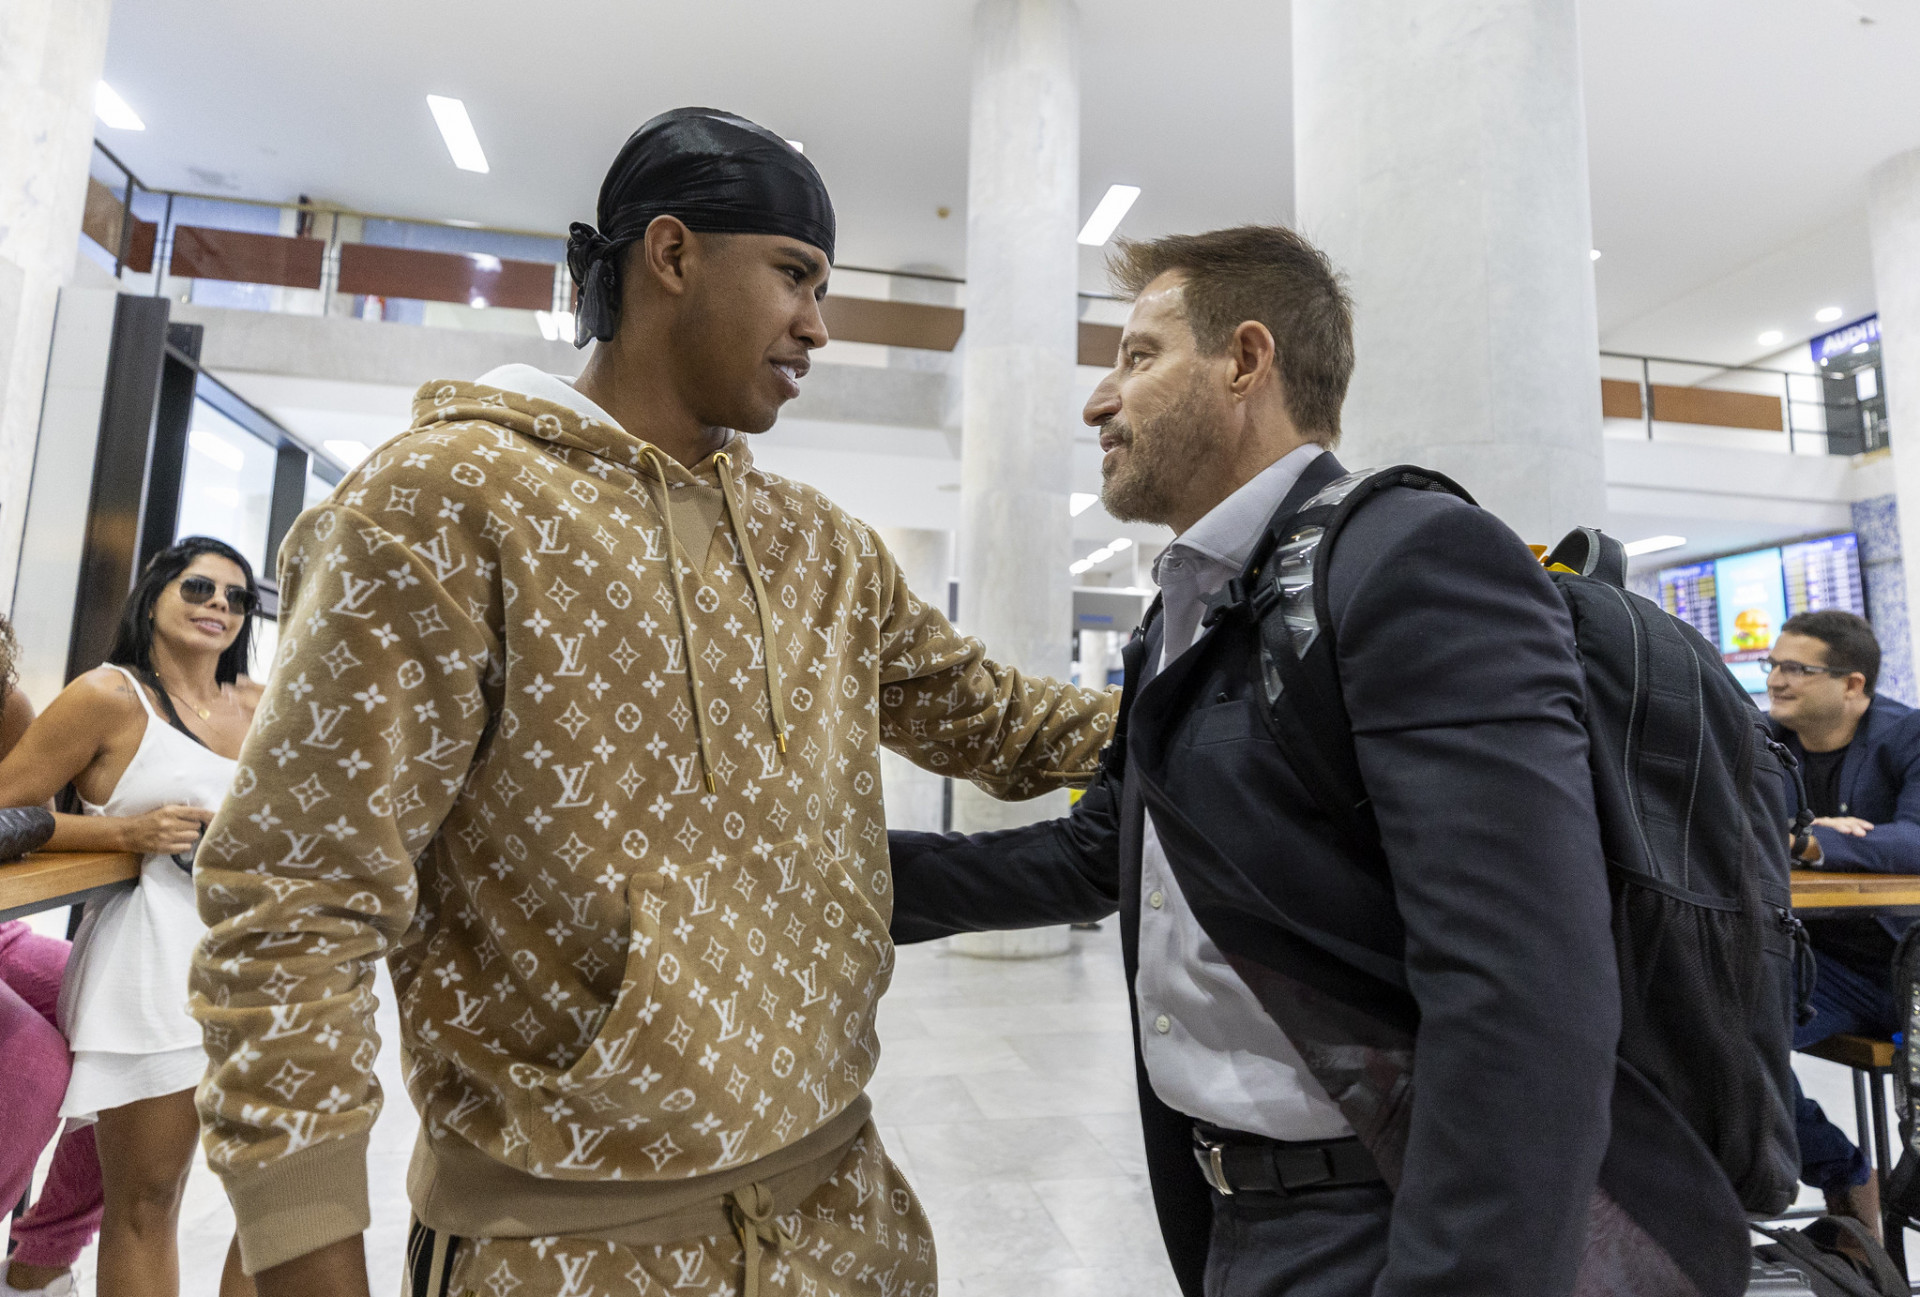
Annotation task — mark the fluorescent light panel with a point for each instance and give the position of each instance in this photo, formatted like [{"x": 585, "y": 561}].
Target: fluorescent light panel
[
  {"x": 349, "y": 452},
  {"x": 1079, "y": 502},
  {"x": 1653, "y": 545},
  {"x": 1771, "y": 338},
  {"x": 113, "y": 111},
  {"x": 456, "y": 128},
  {"x": 1106, "y": 217}
]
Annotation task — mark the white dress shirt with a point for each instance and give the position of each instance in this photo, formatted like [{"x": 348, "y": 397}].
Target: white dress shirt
[{"x": 1211, "y": 1051}]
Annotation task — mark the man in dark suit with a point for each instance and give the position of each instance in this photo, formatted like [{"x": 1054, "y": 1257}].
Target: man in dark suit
[
  {"x": 1385, "y": 1072},
  {"x": 1860, "y": 757}
]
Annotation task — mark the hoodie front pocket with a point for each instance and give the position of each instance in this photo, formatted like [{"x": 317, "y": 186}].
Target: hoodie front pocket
[{"x": 613, "y": 1044}]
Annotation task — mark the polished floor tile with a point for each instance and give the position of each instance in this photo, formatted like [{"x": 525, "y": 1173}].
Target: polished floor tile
[{"x": 1005, "y": 1093}]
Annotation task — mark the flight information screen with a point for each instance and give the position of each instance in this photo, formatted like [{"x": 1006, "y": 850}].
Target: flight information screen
[
  {"x": 1740, "y": 602},
  {"x": 1824, "y": 573},
  {"x": 1688, "y": 593}
]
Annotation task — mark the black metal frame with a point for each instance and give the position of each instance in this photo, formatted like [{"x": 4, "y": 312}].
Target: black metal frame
[
  {"x": 118, "y": 503},
  {"x": 289, "y": 473},
  {"x": 133, "y": 510}
]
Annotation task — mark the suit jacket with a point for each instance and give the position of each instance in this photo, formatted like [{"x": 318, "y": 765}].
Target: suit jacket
[
  {"x": 1482, "y": 1071},
  {"x": 1879, "y": 782}
]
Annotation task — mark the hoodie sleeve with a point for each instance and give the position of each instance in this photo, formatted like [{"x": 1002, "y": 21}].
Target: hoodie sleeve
[
  {"x": 381, "y": 691},
  {"x": 945, "y": 706}
]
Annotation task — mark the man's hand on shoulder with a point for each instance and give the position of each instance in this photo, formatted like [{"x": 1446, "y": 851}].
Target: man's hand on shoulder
[{"x": 336, "y": 1270}]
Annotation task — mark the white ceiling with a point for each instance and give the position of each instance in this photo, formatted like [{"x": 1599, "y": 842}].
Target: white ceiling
[{"x": 1729, "y": 138}]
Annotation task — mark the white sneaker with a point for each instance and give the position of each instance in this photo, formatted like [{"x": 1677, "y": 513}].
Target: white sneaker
[{"x": 61, "y": 1287}]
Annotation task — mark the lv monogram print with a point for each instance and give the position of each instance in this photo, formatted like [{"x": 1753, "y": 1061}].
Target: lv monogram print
[
  {"x": 861, "y": 1234},
  {"x": 605, "y": 795}
]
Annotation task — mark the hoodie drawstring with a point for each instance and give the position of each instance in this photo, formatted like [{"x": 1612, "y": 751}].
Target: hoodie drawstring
[
  {"x": 769, "y": 650},
  {"x": 686, "y": 628},
  {"x": 778, "y": 712}
]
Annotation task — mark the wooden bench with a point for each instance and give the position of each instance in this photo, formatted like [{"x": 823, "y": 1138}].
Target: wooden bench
[{"x": 50, "y": 880}]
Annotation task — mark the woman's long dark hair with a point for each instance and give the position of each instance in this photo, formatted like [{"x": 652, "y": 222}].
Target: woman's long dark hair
[{"x": 133, "y": 646}]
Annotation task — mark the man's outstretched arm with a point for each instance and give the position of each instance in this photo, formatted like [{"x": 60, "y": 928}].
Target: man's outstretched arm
[{"x": 1057, "y": 871}]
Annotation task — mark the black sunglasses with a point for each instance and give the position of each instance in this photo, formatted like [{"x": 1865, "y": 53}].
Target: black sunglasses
[{"x": 198, "y": 589}]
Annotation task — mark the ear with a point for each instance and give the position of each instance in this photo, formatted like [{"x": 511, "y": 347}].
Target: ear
[
  {"x": 1253, "y": 355},
  {"x": 662, "y": 253}
]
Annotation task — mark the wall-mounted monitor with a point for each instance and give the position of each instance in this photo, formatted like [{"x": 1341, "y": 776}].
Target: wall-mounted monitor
[{"x": 1740, "y": 602}]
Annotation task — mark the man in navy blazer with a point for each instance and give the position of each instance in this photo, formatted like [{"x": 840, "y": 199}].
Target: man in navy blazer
[
  {"x": 1358, "y": 1076},
  {"x": 1860, "y": 756}
]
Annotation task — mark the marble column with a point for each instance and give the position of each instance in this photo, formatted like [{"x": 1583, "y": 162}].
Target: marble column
[
  {"x": 1023, "y": 200},
  {"x": 1893, "y": 224},
  {"x": 1440, "y": 157},
  {"x": 51, "y": 54},
  {"x": 915, "y": 797}
]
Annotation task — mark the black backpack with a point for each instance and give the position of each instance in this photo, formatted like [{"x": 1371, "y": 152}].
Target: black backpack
[{"x": 1696, "y": 803}]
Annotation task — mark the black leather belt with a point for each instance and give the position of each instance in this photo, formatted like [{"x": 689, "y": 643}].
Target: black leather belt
[{"x": 1235, "y": 1163}]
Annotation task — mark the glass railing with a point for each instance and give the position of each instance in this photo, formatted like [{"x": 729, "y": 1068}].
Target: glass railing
[
  {"x": 312, "y": 258},
  {"x": 1812, "y": 411}
]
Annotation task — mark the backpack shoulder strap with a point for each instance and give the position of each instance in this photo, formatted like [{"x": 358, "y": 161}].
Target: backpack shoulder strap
[{"x": 1284, "y": 590}]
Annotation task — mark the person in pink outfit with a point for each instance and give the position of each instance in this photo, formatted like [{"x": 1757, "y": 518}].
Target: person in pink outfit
[{"x": 66, "y": 1215}]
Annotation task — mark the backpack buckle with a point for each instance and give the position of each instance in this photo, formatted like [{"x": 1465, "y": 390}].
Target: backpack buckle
[{"x": 1230, "y": 597}]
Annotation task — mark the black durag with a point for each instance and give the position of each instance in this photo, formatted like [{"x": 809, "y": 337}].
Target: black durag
[{"x": 718, "y": 173}]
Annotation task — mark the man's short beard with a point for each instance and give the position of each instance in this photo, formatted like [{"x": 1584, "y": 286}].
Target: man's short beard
[{"x": 1163, "y": 452}]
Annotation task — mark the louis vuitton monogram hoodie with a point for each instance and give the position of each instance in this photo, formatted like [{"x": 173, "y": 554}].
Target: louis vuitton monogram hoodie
[{"x": 585, "y": 744}]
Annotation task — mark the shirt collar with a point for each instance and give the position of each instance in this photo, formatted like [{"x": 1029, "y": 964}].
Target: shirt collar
[{"x": 1229, "y": 531}]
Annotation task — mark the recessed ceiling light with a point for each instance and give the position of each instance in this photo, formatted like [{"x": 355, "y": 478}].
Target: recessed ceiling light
[
  {"x": 1079, "y": 567},
  {"x": 456, "y": 128},
  {"x": 1593, "y": 254},
  {"x": 1079, "y": 502},
  {"x": 1653, "y": 545},
  {"x": 1117, "y": 545},
  {"x": 1771, "y": 338},
  {"x": 1828, "y": 314},
  {"x": 798, "y": 147},
  {"x": 113, "y": 111},
  {"x": 349, "y": 452},
  {"x": 1106, "y": 217}
]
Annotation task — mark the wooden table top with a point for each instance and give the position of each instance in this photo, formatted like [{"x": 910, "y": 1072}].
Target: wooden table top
[
  {"x": 1817, "y": 890},
  {"x": 48, "y": 880}
]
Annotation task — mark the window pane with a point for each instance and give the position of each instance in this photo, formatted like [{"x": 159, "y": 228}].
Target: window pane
[
  {"x": 318, "y": 488},
  {"x": 226, "y": 490}
]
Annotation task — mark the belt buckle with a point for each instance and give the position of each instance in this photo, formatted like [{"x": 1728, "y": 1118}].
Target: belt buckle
[{"x": 1208, "y": 1155}]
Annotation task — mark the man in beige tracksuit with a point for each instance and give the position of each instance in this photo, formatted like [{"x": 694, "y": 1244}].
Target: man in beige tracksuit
[{"x": 580, "y": 731}]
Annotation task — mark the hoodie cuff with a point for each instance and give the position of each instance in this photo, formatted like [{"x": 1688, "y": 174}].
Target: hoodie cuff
[{"x": 300, "y": 1203}]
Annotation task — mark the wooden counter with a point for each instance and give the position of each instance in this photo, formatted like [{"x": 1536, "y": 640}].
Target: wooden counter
[
  {"x": 1815, "y": 891},
  {"x": 49, "y": 880}
]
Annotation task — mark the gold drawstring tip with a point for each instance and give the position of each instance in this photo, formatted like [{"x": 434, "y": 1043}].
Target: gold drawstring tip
[
  {"x": 781, "y": 739},
  {"x": 710, "y": 787}
]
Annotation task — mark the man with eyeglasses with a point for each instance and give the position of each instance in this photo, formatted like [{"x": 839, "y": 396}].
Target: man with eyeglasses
[{"x": 1860, "y": 757}]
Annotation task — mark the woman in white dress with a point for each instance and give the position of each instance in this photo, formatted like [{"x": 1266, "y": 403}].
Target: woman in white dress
[{"x": 149, "y": 741}]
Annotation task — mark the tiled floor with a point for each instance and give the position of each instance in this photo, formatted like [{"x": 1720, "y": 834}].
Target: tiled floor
[{"x": 1005, "y": 1092}]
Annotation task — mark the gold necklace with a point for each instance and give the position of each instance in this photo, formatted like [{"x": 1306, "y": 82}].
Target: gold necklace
[{"x": 204, "y": 713}]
